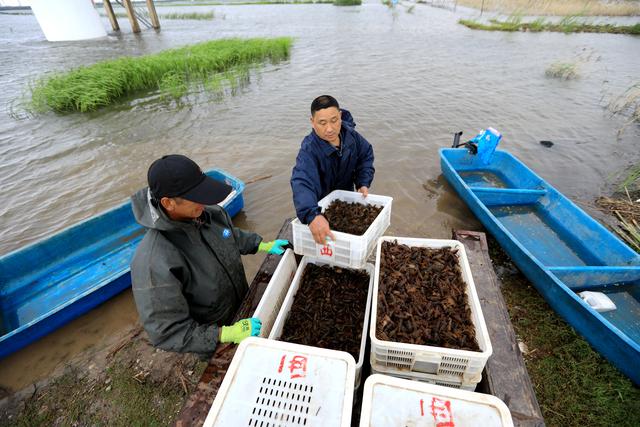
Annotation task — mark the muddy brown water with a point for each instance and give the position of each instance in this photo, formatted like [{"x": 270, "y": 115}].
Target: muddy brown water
[{"x": 410, "y": 79}]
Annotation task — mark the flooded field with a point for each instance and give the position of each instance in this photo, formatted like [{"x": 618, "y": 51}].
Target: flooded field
[{"x": 410, "y": 80}]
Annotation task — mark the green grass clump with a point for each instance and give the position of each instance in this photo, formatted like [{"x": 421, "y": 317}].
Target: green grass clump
[
  {"x": 563, "y": 70},
  {"x": 347, "y": 2},
  {"x": 512, "y": 23},
  {"x": 569, "y": 24},
  {"x": 189, "y": 16},
  {"x": 537, "y": 25},
  {"x": 104, "y": 83}
]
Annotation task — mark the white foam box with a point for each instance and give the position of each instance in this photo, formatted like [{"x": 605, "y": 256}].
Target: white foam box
[
  {"x": 441, "y": 380},
  {"x": 274, "y": 383},
  {"x": 389, "y": 401},
  {"x": 347, "y": 250},
  {"x": 465, "y": 365},
  {"x": 276, "y": 290},
  {"x": 276, "y": 331}
]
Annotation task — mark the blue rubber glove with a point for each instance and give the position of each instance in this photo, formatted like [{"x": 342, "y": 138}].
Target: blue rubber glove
[
  {"x": 240, "y": 330},
  {"x": 273, "y": 247}
]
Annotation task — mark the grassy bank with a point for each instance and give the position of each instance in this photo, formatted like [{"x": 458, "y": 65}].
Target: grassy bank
[
  {"x": 130, "y": 384},
  {"x": 172, "y": 71},
  {"x": 574, "y": 385},
  {"x": 557, "y": 7},
  {"x": 569, "y": 24}
]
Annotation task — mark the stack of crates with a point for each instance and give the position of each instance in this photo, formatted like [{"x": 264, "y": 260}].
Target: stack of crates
[
  {"x": 347, "y": 251},
  {"x": 436, "y": 365}
]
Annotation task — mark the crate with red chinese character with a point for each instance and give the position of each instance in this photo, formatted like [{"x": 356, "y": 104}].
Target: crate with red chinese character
[
  {"x": 413, "y": 360},
  {"x": 273, "y": 383},
  {"x": 389, "y": 401},
  {"x": 348, "y": 250},
  {"x": 278, "y": 326}
]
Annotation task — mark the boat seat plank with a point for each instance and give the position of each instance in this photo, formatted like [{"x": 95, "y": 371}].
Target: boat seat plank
[
  {"x": 505, "y": 375},
  {"x": 582, "y": 278},
  {"x": 507, "y": 196}
]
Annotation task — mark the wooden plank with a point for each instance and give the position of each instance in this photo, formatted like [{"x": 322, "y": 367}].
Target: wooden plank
[
  {"x": 505, "y": 375},
  {"x": 196, "y": 407},
  {"x": 112, "y": 16},
  {"x": 132, "y": 16},
  {"x": 155, "y": 22}
]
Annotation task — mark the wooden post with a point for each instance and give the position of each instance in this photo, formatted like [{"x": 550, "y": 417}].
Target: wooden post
[
  {"x": 112, "y": 16},
  {"x": 155, "y": 22},
  {"x": 132, "y": 16}
]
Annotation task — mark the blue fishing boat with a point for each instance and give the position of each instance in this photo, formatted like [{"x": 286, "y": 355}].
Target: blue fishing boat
[
  {"x": 561, "y": 249},
  {"x": 50, "y": 282}
]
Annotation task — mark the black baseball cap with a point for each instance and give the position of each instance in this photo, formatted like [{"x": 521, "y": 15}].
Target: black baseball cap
[{"x": 175, "y": 175}]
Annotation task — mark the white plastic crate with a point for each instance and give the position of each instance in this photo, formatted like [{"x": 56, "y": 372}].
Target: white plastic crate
[
  {"x": 276, "y": 290},
  {"x": 276, "y": 331},
  {"x": 446, "y": 362},
  {"x": 390, "y": 402},
  {"x": 347, "y": 250},
  {"x": 442, "y": 380},
  {"x": 274, "y": 383}
]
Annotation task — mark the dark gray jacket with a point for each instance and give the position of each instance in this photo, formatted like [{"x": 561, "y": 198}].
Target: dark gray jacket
[{"x": 188, "y": 278}]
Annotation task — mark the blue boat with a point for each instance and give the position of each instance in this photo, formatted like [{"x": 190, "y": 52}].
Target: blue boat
[
  {"x": 50, "y": 282},
  {"x": 560, "y": 249}
]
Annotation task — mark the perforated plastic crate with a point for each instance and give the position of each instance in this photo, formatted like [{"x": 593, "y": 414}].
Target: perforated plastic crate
[
  {"x": 446, "y": 362},
  {"x": 276, "y": 331},
  {"x": 274, "y": 383},
  {"x": 347, "y": 250},
  {"x": 276, "y": 290},
  {"x": 394, "y": 402},
  {"x": 442, "y": 380}
]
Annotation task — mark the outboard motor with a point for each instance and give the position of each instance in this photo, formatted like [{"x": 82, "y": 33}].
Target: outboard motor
[{"x": 483, "y": 144}]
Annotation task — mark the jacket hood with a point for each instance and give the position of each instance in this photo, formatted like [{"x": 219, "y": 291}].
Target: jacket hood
[{"x": 148, "y": 215}]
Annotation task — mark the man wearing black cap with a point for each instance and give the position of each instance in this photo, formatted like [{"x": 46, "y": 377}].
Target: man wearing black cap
[{"x": 187, "y": 274}]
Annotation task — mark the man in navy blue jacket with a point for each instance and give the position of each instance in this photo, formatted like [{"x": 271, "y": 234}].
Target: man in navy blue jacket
[{"x": 332, "y": 157}]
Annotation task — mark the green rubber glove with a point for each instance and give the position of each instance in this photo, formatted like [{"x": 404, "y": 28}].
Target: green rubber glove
[
  {"x": 240, "y": 330},
  {"x": 273, "y": 247}
]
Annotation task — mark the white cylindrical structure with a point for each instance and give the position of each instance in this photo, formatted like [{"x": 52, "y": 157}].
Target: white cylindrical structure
[{"x": 63, "y": 20}]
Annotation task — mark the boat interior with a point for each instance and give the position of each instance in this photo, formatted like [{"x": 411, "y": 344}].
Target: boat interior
[{"x": 566, "y": 241}]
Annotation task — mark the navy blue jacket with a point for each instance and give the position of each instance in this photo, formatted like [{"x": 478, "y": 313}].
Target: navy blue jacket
[{"x": 321, "y": 168}]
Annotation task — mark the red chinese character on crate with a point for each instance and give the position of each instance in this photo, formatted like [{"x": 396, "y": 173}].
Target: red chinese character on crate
[
  {"x": 326, "y": 251},
  {"x": 441, "y": 412},
  {"x": 297, "y": 366}
]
